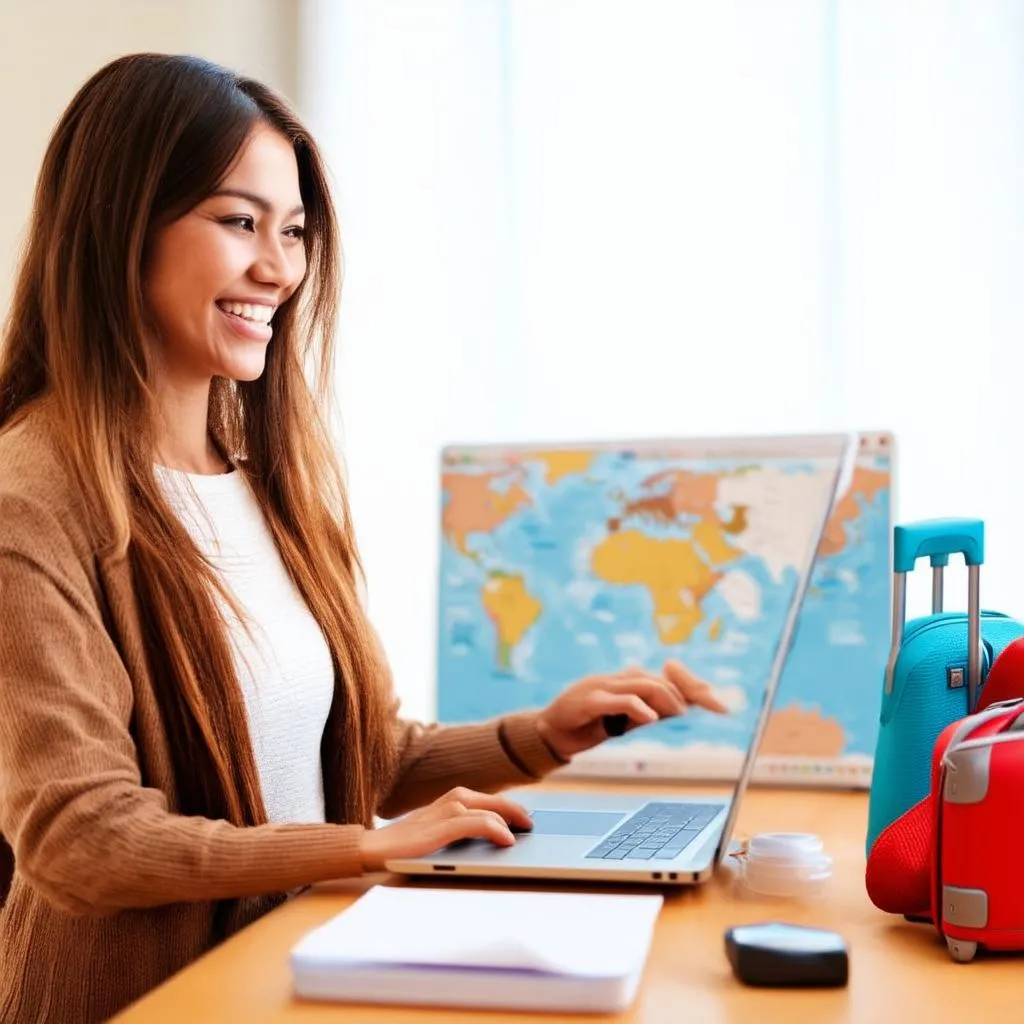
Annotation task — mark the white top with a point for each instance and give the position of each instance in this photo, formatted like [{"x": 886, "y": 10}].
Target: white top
[{"x": 285, "y": 670}]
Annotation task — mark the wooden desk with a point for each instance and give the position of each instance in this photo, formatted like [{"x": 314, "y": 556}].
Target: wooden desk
[{"x": 898, "y": 971}]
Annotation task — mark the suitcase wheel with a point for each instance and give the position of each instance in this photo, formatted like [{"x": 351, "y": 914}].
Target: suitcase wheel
[{"x": 961, "y": 950}]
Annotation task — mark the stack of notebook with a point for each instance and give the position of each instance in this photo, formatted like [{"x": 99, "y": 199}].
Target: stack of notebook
[{"x": 569, "y": 952}]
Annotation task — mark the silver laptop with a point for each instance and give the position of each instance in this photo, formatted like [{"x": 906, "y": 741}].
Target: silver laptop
[{"x": 634, "y": 837}]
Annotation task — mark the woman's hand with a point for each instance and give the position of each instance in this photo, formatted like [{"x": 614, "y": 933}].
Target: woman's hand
[
  {"x": 459, "y": 814},
  {"x": 574, "y": 720}
]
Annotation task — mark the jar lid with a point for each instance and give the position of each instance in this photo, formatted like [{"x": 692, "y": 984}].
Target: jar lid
[{"x": 786, "y": 864}]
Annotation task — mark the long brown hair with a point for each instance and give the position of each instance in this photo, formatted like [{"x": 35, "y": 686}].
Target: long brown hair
[{"x": 146, "y": 139}]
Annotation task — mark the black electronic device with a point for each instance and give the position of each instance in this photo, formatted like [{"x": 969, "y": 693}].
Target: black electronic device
[
  {"x": 787, "y": 955},
  {"x": 616, "y": 725}
]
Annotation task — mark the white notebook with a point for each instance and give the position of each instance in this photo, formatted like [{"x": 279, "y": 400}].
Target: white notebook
[{"x": 573, "y": 952}]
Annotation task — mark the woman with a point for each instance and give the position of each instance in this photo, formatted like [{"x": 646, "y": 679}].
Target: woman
[{"x": 195, "y": 719}]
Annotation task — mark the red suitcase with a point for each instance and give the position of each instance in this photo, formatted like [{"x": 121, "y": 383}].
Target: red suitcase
[
  {"x": 977, "y": 899},
  {"x": 900, "y": 874}
]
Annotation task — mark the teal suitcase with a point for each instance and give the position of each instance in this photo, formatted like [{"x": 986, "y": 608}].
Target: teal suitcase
[{"x": 937, "y": 664}]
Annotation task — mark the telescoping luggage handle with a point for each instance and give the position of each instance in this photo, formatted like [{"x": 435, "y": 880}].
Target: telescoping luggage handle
[{"x": 937, "y": 539}]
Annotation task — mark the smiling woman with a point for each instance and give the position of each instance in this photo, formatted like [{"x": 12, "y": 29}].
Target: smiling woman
[
  {"x": 215, "y": 277},
  {"x": 196, "y": 719},
  {"x": 213, "y": 281}
]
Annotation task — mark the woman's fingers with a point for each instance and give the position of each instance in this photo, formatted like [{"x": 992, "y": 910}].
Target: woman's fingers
[
  {"x": 462, "y": 800},
  {"x": 692, "y": 689},
  {"x": 604, "y": 703},
  {"x": 477, "y": 825},
  {"x": 669, "y": 694},
  {"x": 656, "y": 692},
  {"x": 460, "y": 814}
]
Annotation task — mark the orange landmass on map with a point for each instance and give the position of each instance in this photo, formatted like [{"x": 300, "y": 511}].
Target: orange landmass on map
[
  {"x": 792, "y": 731},
  {"x": 512, "y": 609},
  {"x": 474, "y": 506},
  {"x": 560, "y": 464},
  {"x": 866, "y": 483},
  {"x": 688, "y": 493},
  {"x": 674, "y": 574},
  {"x": 709, "y": 536},
  {"x": 738, "y": 523}
]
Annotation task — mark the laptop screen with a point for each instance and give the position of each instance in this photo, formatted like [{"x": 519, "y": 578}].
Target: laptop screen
[{"x": 833, "y": 457}]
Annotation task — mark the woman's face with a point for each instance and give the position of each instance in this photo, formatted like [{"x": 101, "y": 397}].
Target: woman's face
[{"x": 215, "y": 277}]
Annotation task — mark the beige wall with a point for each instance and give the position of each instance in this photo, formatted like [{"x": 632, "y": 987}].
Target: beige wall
[{"x": 49, "y": 47}]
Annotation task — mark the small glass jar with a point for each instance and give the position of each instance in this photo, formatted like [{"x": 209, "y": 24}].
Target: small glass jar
[{"x": 788, "y": 864}]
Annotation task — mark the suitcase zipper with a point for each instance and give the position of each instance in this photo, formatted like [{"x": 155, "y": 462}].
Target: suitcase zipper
[{"x": 929, "y": 623}]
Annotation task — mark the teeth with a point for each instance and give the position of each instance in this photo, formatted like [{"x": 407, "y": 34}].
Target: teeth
[{"x": 258, "y": 314}]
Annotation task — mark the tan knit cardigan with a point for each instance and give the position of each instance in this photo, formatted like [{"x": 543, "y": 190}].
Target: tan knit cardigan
[{"x": 109, "y": 890}]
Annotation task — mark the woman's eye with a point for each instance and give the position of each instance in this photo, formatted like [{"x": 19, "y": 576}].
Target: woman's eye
[
  {"x": 295, "y": 232},
  {"x": 244, "y": 223}
]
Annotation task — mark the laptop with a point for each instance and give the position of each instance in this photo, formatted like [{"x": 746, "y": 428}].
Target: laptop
[{"x": 634, "y": 837}]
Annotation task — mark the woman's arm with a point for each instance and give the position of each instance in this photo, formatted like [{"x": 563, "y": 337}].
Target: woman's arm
[
  {"x": 524, "y": 747},
  {"x": 85, "y": 831},
  {"x": 487, "y": 757}
]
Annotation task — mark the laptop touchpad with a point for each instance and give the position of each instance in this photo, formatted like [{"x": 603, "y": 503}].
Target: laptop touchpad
[{"x": 573, "y": 823}]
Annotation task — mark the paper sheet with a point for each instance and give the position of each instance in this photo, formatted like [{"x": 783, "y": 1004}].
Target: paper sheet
[{"x": 574, "y": 934}]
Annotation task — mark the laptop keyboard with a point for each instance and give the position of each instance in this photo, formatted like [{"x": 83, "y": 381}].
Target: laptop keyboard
[{"x": 656, "y": 832}]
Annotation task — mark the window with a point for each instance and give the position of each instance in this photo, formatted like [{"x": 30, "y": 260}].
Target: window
[{"x": 628, "y": 218}]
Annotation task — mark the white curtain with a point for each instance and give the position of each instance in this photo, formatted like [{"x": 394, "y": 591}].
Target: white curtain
[{"x": 581, "y": 219}]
